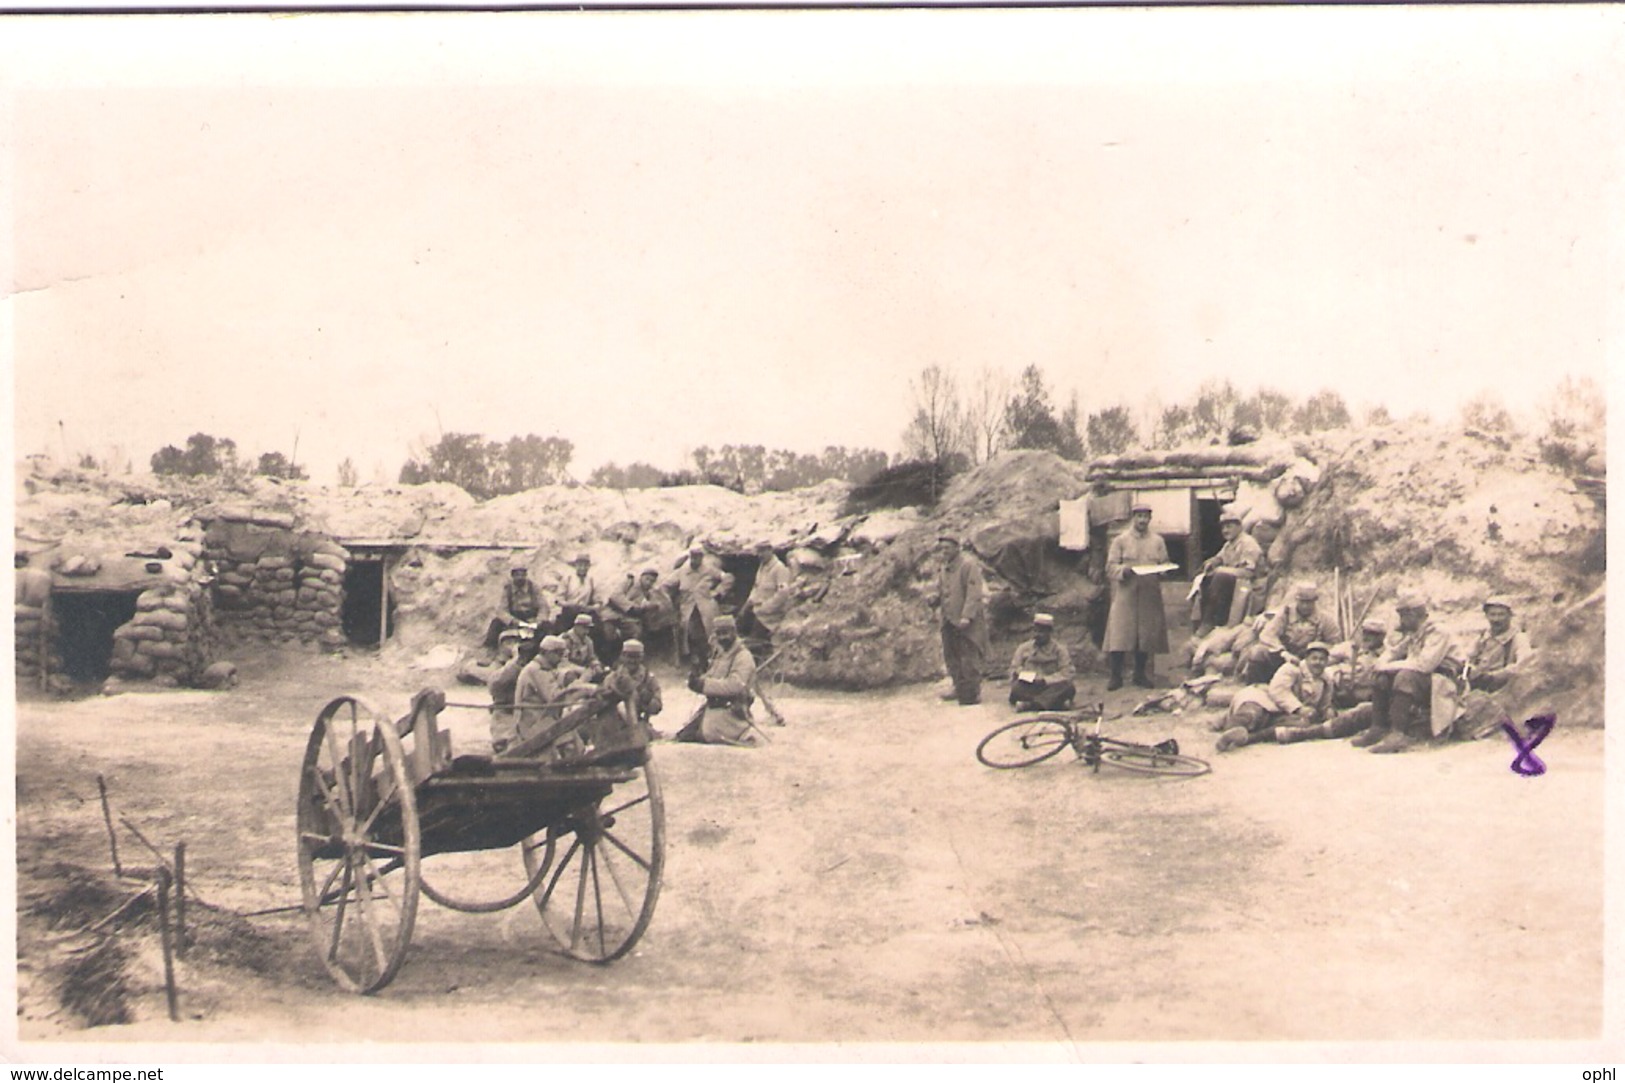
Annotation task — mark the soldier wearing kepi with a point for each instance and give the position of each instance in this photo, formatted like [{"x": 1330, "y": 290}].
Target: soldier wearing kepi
[
  {"x": 1298, "y": 698},
  {"x": 724, "y": 718},
  {"x": 1286, "y": 636},
  {"x": 698, "y": 588},
  {"x": 521, "y": 603},
  {"x": 1236, "y": 562},
  {"x": 1041, "y": 672},
  {"x": 770, "y": 595},
  {"x": 578, "y": 593},
  {"x": 579, "y": 650},
  {"x": 1402, "y": 700},
  {"x": 1500, "y": 655},
  {"x": 963, "y": 612},
  {"x": 1136, "y": 622},
  {"x": 631, "y": 682}
]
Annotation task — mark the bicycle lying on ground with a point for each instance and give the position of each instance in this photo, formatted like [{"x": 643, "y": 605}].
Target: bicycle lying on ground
[{"x": 1036, "y": 738}]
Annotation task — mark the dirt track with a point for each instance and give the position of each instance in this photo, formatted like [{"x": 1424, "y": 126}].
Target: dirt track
[{"x": 864, "y": 879}]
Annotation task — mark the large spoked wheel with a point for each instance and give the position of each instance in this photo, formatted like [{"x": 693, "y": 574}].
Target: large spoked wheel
[
  {"x": 1151, "y": 761},
  {"x": 359, "y": 847},
  {"x": 1024, "y": 742},
  {"x": 606, "y": 859}
]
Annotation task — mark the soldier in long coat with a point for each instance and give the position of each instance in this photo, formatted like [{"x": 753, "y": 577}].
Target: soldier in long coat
[
  {"x": 1136, "y": 622},
  {"x": 724, "y": 718},
  {"x": 964, "y": 621},
  {"x": 697, "y": 588}
]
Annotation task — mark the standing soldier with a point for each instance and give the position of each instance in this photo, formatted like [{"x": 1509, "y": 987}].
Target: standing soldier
[
  {"x": 769, "y": 595},
  {"x": 1136, "y": 621},
  {"x": 699, "y": 588},
  {"x": 964, "y": 621}
]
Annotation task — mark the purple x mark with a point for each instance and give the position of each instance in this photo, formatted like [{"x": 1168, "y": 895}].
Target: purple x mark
[{"x": 1526, "y": 763}]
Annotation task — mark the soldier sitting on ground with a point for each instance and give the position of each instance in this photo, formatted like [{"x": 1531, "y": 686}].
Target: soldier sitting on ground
[
  {"x": 630, "y": 682},
  {"x": 1298, "y": 697},
  {"x": 1497, "y": 663},
  {"x": 1041, "y": 672},
  {"x": 724, "y": 717},
  {"x": 1402, "y": 700},
  {"x": 578, "y": 648},
  {"x": 639, "y": 610},
  {"x": 1353, "y": 668},
  {"x": 546, "y": 687},
  {"x": 520, "y": 649},
  {"x": 1285, "y": 638}
]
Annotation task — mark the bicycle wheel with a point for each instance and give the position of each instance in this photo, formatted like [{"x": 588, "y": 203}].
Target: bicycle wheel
[
  {"x": 1024, "y": 742},
  {"x": 1151, "y": 761}
]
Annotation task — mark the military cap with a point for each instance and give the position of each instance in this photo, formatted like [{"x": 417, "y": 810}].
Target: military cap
[
  {"x": 552, "y": 643},
  {"x": 651, "y": 571},
  {"x": 1306, "y": 590},
  {"x": 726, "y": 623},
  {"x": 518, "y": 569},
  {"x": 1140, "y": 506},
  {"x": 764, "y": 544},
  {"x": 1229, "y": 514},
  {"x": 1317, "y": 645},
  {"x": 583, "y": 620},
  {"x": 581, "y": 558},
  {"x": 1499, "y": 599},
  {"x": 1411, "y": 599},
  {"x": 1372, "y": 624},
  {"x": 1043, "y": 620},
  {"x": 696, "y": 550},
  {"x": 632, "y": 646}
]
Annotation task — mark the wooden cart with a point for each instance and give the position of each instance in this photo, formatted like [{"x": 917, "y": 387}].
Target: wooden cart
[{"x": 581, "y": 803}]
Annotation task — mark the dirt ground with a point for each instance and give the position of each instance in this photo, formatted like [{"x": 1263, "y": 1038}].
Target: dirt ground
[{"x": 863, "y": 878}]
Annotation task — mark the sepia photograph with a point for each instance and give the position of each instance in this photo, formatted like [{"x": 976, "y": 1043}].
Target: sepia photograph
[{"x": 1066, "y": 535}]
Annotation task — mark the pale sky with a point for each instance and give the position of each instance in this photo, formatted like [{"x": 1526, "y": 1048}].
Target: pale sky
[{"x": 648, "y": 232}]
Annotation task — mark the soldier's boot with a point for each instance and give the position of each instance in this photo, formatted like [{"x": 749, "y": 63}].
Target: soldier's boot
[
  {"x": 1234, "y": 737},
  {"x": 1140, "y": 659},
  {"x": 1369, "y": 736},
  {"x": 1395, "y": 741},
  {"x": 1114, "y": 660},
  {"x": 1342, "y": 726},
  {"x": 1288, "y": 735}
]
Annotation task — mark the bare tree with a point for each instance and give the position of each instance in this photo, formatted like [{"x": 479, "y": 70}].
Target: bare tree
[
  {"x": 937, "y": 431},
  {"x": 984, "y": 413}
]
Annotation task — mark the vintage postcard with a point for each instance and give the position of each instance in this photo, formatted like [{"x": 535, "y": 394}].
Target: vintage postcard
[{"x": 1049, "y": 535}]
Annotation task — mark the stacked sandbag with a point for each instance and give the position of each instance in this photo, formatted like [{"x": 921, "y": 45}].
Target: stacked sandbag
[
  {"x": 31, "y": 644},
  {"x": 170, "y": 638},
  {"x": 274, "y": 584}
]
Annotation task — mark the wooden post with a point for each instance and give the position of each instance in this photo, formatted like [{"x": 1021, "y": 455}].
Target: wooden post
[
  {"x": 45, "y": 644},
  {"x": 169, "y": 950},
  {"x": 180, "y": 899},
  {"x": 383, "y": 599},
  {"x": 107, "y": 816}
]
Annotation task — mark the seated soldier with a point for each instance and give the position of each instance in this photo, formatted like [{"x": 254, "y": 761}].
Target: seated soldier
[
  {"x": 1498, "y": 658},
  {"x": 579, "y": 651},
  {"x": 522, "y": 604},
  {"x": 520, "y": 649},
  {"x": 1298, "y": 696},
  {"x": 1235, "y": 563},
  {"x": 1353, "y": 669},
  {"x": 1402, "y": 699},
  {"x": 1041, "y": 671},
  {"x": 1285, "y": 638},
  {"x": 546, "y": 687},
  {"x": 639, "y": 610},
  {"x": 724, "y": 717},
  {"x": 578, "y": 593},
  {"x": 630, "y": 682}
]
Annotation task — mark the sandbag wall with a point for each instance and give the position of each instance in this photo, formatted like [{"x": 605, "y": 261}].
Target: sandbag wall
[
  {"x": 32, "y": 643},
  {"x": 170, "y": 639},
  {"x": 274, "y": 584}
]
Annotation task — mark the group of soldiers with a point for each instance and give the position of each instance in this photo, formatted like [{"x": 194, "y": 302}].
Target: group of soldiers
[
  {"x": 1385, "y": 690},
  {"x": 583, "y": 651}
]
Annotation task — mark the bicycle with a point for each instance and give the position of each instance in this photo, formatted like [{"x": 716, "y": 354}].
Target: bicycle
[{"x": 1036, "y": 738}]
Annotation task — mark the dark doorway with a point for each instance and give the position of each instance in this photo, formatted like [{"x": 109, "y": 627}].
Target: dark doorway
[
  {"x": 363, "y": 601},
  {"x": 742, "y": 566},
  {"x": 85, "y": 621},
  {"x": 1207, "y": 527},
  {"x": 1179, "y": 550}
]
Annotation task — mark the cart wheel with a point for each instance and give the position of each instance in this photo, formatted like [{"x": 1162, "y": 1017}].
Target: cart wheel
[
  {"x": 359, "y": 847},
  {"x": 1024, "y": 742},
  {"x": 1150, "y": 761},
  {"x": 606, "y": 859}
]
